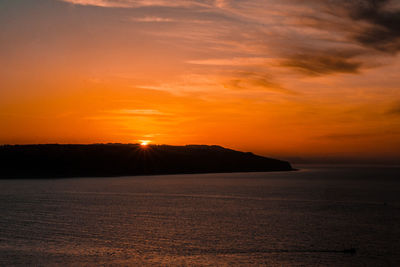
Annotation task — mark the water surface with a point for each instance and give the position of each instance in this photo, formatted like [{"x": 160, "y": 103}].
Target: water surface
[{"x": 279, "y": 218}]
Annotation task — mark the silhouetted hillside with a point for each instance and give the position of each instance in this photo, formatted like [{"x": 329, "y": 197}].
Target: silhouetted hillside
[{"x": 48, "y": 161}]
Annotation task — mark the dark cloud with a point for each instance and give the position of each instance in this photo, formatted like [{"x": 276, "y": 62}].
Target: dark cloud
[
  {"x": 395, "y": 109},
  {"x": 355, "y": 29},
  {"x": 383, "y": 31},
  {"x": 315, "y": 64},
  {"x": 343, "y": 136},
  {"x": 245, "y": 79},
  {"x": 371, "y": 23},
  {"x": 346, "y": 136}
]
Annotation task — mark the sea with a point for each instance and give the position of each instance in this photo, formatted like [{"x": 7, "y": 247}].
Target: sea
[{"x": 316, "y": 216}]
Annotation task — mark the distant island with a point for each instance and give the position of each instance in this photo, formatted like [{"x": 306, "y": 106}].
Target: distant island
[{"x": 106, "y": 160}]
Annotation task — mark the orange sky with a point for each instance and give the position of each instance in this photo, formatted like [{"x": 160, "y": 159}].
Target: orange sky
[{"x": 283, "y": 78}]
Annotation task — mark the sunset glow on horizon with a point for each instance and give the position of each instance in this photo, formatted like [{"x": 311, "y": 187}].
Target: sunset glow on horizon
[
  {"x": 283, "y": 78},
  {"x": 144, "y": 142}
]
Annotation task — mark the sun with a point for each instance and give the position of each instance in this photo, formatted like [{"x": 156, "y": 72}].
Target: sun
[{"x": 144, "y": 142}]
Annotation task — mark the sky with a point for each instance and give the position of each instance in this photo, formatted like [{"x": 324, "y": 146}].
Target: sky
[{"x": 289, "y": 78}]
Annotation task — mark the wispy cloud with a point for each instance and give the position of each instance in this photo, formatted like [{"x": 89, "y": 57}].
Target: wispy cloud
[
  {"x": 247, "y": 61},
  {"x": 102, "y": 3},
  {"x": 344, "y": 136},
  {"x": 248, "y": 80},
  {"x": 124, "y": 114},
  {"x": 311, "y": 37},
  {"x": 314, "y": 64},
  {"x": 153, "y": 19},
  {"x": 139, "y": 112},
  {"x": 138, "y": 3}
]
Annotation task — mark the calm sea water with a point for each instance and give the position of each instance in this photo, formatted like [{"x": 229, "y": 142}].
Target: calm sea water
[{"x": 283, "y": 219}]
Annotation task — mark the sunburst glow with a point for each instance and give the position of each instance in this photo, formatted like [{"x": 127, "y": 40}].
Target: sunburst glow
[{"x": 144, "y": 142}]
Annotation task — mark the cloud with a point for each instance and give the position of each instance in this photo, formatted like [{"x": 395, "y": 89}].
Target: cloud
[
  {"x": 139, "y": 112},
  {"x": 153, "y": 19},
  {"x": 245, "y": 80},
  {"x": 143, "y": 3},
  {"x": 247, "y": 61},
  {"x": 383, "y": 31},
  {"x": 349, "y": 136},
  {"x": 371, "y": 23},
  {"x": 102, "y": 3},
  {"x": 336, "y": 36},
  {"x": 344, "y": 136},
  {"x": 312, "y": 37},
  {"x": 123, "y": 114},
  {"x": 394, "y": 110},
  {"x": 323, "y": 63},
  {"x": 222, "y": 3}
]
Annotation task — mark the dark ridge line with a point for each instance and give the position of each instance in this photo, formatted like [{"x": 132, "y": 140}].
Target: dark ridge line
[{"x": 116, "y": 160}]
